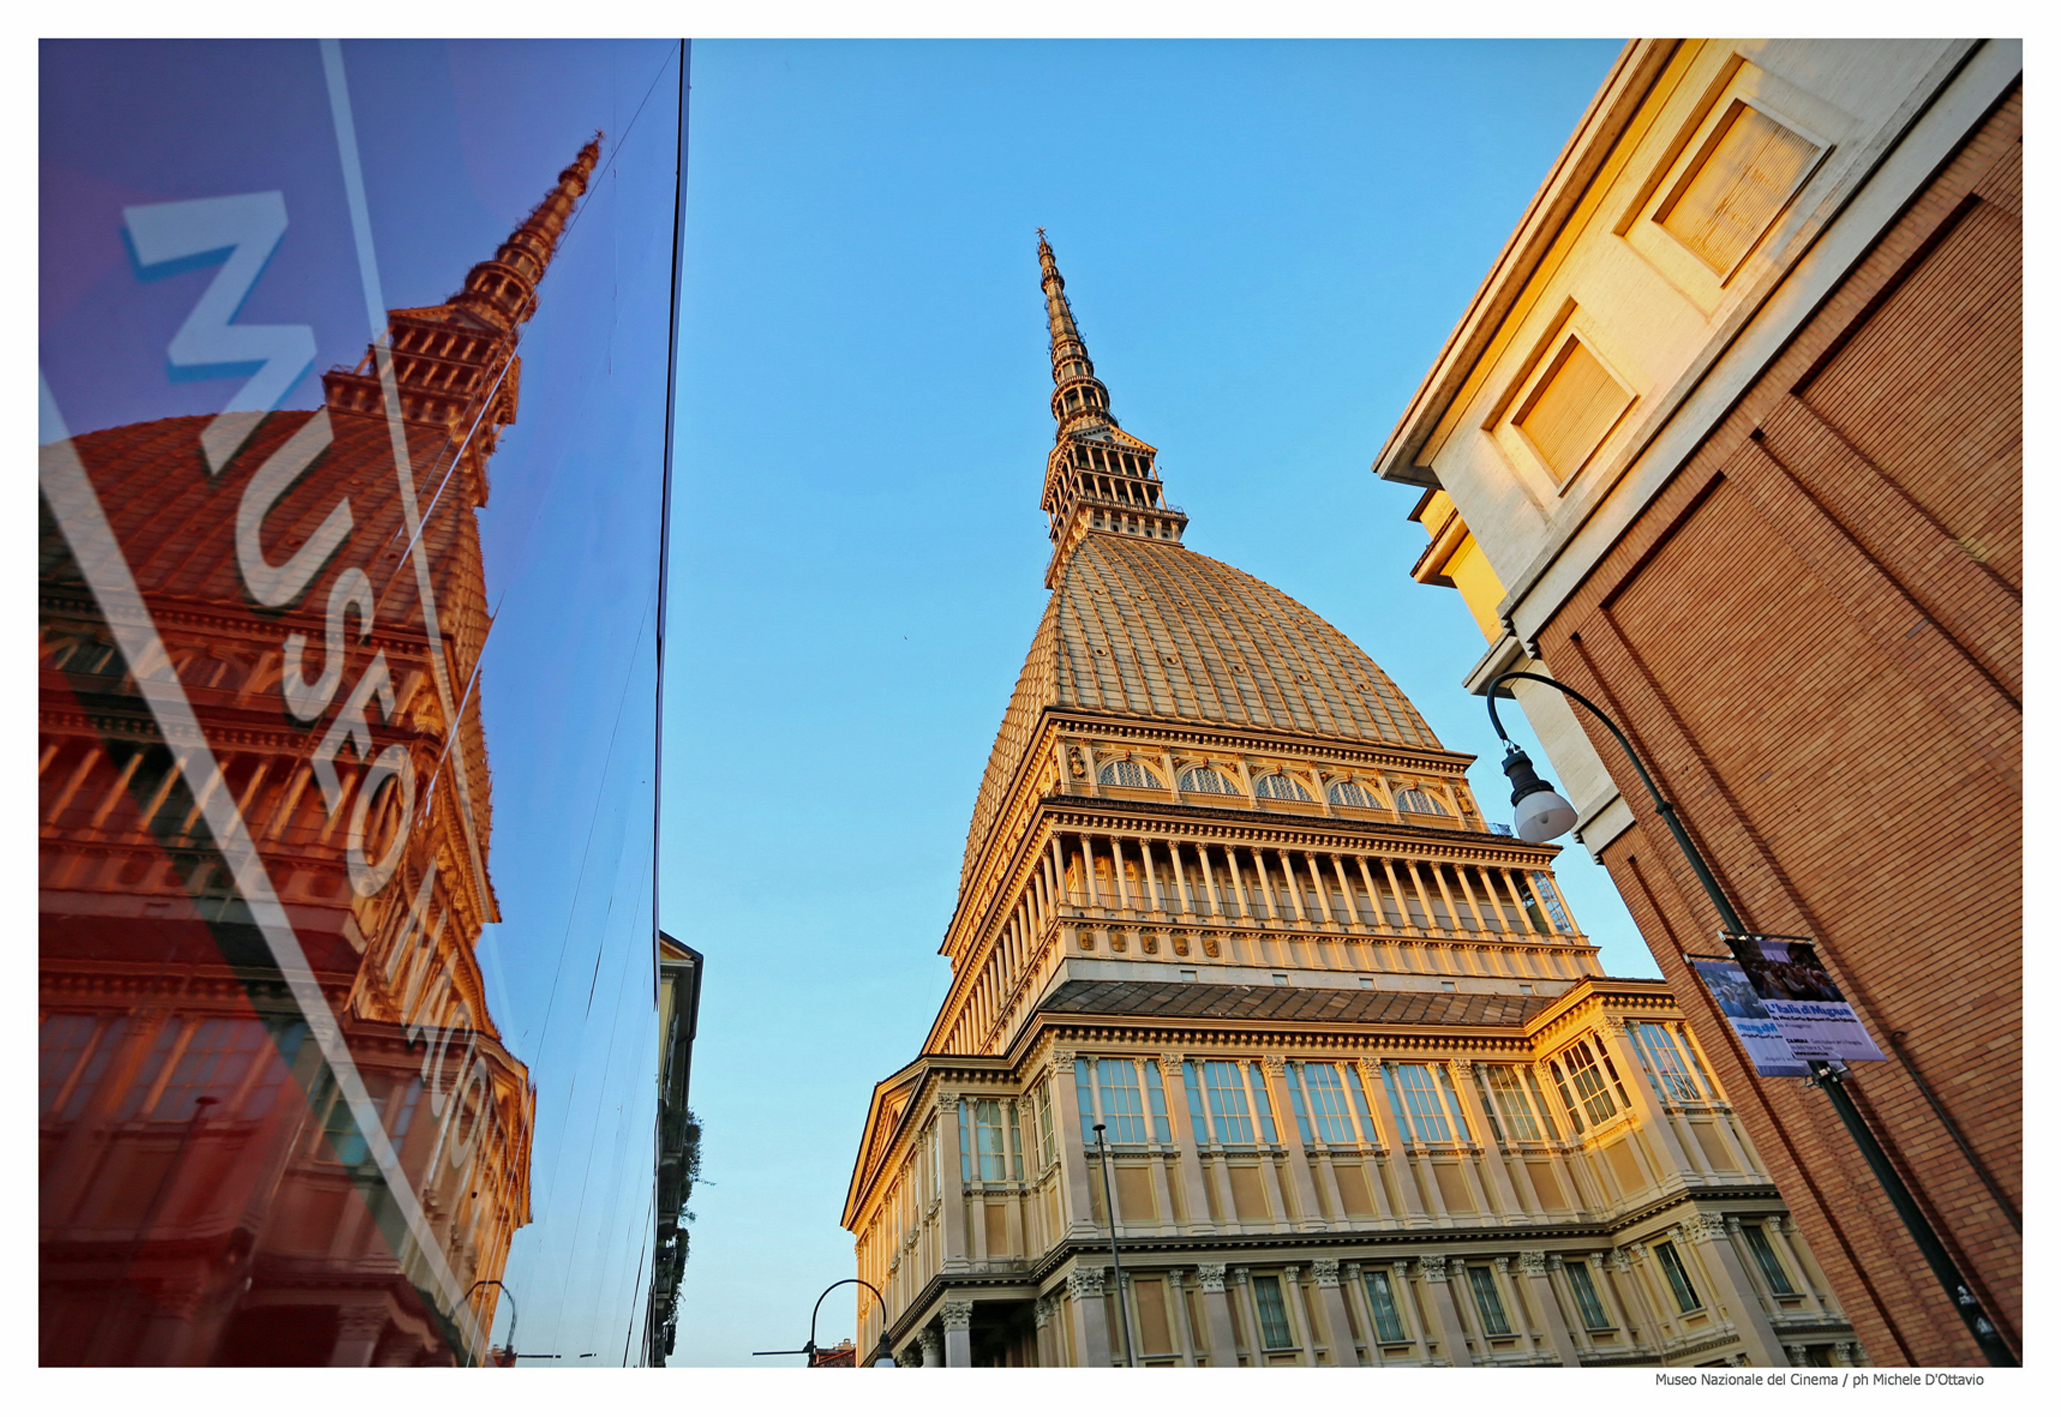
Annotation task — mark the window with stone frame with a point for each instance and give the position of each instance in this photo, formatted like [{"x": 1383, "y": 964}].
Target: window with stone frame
[
  {"x": 1048, "y": 1143},
  {"x": 1585, "y": 1296},
  {"x": 1240, "y": 1112},
  {"x": 1208, "y": 779},
  {"x": 1350, "y": 794},
  {"x": 1110, "y": 1092},
  {"x": 1126, "y": 772},
  {"x": 1281, "y": 787},
  {"x": 1381, "y": 1302},
  {"x": 1657, "y": 1050},
  {"x": 1416, "y": 799},
  {"x": 1749, "y": 168},
  {"x": 1509, "y": 1102},
  {"x": 1770, "y": 1263},
  {"x": 1585, "y": 1069},
  {"x": 1273, "y": 1312},
  {"x": 1324, "y": 1087},
  {"x": 1488, "y": 1302},
  {"x": 1686, "y": 1298},
  {"x": 1420, "y": 1093}
]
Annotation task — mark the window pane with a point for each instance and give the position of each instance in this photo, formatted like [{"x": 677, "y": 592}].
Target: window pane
[
  {"x": 1048, "y": 1145},
  {"x": 1122, "y": 1108},
  {"x": 1770, "y": 1263},
  {"x": 1015, "y": 1145},
  {"x": 1155, "y": 1092},
  {"x": 1445, "y": 1077},
  {"x": 1518, "y": 1119},
  {"x": 987, "y": 1128},
  {"x": 1327, "y": 1103},
  {"x": 1427, "y": 1118},
  {"x": 1273, "y": 1315},
  {"x": 1388, "y": 1321},
  {"x": 1084, "y": 1091},
  {"x": 1487, "y": 1302},
  {"x": 1672, "y": 1078},
  {"x": 1677, "y": 1277},
  {"x": 1198, "y": 1120},
  {"x": 1585, "y": 1295},
  {"x": 1367, "y": 1131},
  {"x": 1587, "y": 1076},
  {"x": 1295, "y": 1101},
  {"x": 1228, "y": 1115},
  {"x": 1264, "y": 1104},
  {"x": 965, "y": 1147},
  {"x": 1395, "y": 1101}
]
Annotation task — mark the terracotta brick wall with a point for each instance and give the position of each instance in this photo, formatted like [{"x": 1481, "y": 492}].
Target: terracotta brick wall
[{"x": 1813, "y": 636}]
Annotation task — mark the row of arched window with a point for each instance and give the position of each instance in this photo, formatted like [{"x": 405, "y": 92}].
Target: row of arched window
[{"x": 1279, "y": 786}]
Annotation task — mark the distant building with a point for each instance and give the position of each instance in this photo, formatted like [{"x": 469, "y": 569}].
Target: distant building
[
  {"x": 1367, "y": 1097},
  {"x": 1730, "y": 441},
  {"x": 679, "y": 1137},
  {"x": 844, "y": 1355}
]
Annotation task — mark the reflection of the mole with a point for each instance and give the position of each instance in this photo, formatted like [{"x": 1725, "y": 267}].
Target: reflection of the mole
[{"x": 209, "y": 1193}]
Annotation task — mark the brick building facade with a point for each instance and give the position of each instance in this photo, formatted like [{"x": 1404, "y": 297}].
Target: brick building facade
[{"x": 1779, "y": 538}]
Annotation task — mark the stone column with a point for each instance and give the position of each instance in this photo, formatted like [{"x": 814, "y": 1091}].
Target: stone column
[
  {"x": 1046, "y": 1357},
  {"x": 1090, "y": 1320},
  {"x": 1079, "y": 1210},
  {"x": 1539, "y": 1287},
  {"x": 1336, "y": 1322},
  {"x": 1177, "y": 1314},
  {"x": 1632, "y": 1298},
  {"x": 957, "y": 1317},
  {"x": 1311, "y": 1216},
  {"x": 1353, "y": 1289},
  {"x": 1453, "y": 1338},
  {"x": 1501, "y": 1192},
  {"x": 1375, "y": 1085},
  {"x": 933, "y": 1347},
  {"x": 1661, "y": 1126},
  {"x": 951, "y": 1189},
  {"x": 1216, "y": 1315},
  {"x": 1721, "y": 1258},
  {"x": 358, "y": 1336},
  {"x": 1196, "y": 1198}
]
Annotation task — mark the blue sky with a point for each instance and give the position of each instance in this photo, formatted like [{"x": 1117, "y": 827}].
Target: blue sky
[{"x": 1265, "y": 242}]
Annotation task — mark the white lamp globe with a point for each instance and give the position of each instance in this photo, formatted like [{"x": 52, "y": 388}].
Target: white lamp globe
[{"x": 1541, "y": 816}]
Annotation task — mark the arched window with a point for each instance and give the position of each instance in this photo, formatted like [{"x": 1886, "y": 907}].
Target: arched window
[
  {"x": 1417, "y": 800},
  {"x": 1350, "y": 794},
  {"x": 1281, "y": 786},
  {"x": 1207, "y": 780},
  {"x": 1126, "y": 773}
]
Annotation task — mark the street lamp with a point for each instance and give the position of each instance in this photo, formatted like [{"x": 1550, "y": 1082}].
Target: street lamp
[
  {"x": 505, "y": 1357},
  {"x": 881, "y": 1357},
  {"x": 1549, "y": 814},
  {"x": 1123, "y": 1312}
]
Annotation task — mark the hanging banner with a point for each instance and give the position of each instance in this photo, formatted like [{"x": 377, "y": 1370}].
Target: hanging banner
[
  {"x": 1757, "y": 1030},
  {"x": 1797, "y": 992}
]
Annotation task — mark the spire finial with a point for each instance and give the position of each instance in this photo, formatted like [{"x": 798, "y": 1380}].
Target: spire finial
[{"x": 489, "y": 290}]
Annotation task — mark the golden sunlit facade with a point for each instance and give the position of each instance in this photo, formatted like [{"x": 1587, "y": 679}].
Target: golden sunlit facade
[{"x": 1367, "y": 1098}]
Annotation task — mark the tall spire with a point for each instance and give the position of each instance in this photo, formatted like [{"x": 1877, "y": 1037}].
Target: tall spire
[
  {"x": 503, "y": 291},
  {"x": 1098, "y": 478},
  {"x": 454, "y": 365}
]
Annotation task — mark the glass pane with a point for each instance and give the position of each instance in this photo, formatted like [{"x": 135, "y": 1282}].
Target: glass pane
[
  {"x": 347, "y": 695},
  {"x": 1273, "y": 1315},
  {"x": 1230, "y": 1121}
]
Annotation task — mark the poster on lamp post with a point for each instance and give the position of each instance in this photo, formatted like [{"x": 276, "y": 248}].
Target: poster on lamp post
[
  {"x": 1797, "y": 991},
  {"x": 1757, "y": 1030}
]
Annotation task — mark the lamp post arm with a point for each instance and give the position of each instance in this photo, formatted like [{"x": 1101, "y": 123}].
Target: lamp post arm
[
  {"x": 1661, "y": 805},
  {"x": 811, "y": 1349},
  {"x": 513, "y": 1315}
]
